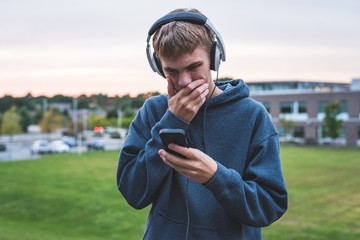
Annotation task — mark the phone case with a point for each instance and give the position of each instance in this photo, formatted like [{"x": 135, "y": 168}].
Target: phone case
[{"x": 176, "y": 136}]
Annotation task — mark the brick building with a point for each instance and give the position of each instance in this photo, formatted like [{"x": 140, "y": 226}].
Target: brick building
[{"x": 303, "y": 104}]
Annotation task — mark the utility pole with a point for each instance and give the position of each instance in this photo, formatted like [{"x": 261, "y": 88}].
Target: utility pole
[
  {"x": 45, "y": 105},
  {"x": 84, "y": 125},
  {"x": 75, "y": 118},
  {"x": 119, "y": 118},
  {"x": 84, "y": 119}
]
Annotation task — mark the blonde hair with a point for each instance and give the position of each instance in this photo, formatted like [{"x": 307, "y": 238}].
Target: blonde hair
[{"x": 180, "y": 37}]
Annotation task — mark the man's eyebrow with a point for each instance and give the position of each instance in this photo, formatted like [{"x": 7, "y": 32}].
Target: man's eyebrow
[
  {"x": 195, "y": 64},
  {"x": 169, "y": 69}
]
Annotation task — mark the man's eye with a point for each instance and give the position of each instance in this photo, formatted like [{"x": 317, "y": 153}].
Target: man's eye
[
  {"x": 193, "y": 68},
  {"x": 172, "y": 73}
]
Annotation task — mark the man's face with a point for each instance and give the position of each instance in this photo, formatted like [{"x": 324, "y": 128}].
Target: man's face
[{"x": 187, "y": 68}]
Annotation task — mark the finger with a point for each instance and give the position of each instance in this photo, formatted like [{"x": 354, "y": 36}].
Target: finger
[
  {"x": 171, "y": 160},
  {"x": 164, "y": 156},
  {"x": 185, "y": 151},
  {"x": 200, "y": 92},
  {"x": 191, "y": 86}
]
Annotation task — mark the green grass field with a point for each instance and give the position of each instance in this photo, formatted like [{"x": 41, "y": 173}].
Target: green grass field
[{"x": 74, "y": 196}]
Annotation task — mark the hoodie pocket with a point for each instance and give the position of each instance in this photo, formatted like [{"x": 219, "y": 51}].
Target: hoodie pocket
[{"x": 163, "y": 227}]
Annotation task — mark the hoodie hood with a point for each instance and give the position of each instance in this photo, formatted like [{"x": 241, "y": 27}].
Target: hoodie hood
[{"x": 232, "y": 90}]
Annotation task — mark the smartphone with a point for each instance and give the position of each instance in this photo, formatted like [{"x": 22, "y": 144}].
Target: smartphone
[{"x": 176, "y": 136}]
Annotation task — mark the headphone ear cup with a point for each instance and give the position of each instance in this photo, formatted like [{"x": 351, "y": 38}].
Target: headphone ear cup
[
  {"x": 158, "y": 66},
  {"x": 215, "y": 56}
]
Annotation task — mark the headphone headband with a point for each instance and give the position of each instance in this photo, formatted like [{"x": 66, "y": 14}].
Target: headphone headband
[
  {"x": 179, "y": 16},
  {"x": 186, "y": 17}
]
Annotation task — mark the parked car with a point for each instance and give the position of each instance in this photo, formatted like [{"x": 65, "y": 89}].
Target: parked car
[
  {"x": 59, "y": 146},
  {"x": 95, "y": 145},
  {"x": 70, "y": 141},
  {"x": 40, "y": 147},
  {"x": 2, "y": 147}
]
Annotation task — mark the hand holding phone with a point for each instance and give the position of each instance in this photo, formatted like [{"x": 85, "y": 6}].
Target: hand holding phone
[{"x": 176, "y": 136}]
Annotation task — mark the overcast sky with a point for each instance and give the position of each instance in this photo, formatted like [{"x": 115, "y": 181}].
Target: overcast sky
[{"x": 75, "y": 47}]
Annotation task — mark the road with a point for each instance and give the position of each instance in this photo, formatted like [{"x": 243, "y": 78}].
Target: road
[
  {"x": 17, "y": 151},
  {"x": 21, "y": 150}
]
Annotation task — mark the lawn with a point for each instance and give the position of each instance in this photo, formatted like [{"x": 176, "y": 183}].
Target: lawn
[{"x": 74, "y": 196}]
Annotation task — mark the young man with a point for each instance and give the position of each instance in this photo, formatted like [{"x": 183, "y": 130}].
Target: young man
[{"x": 229, "y": 183}]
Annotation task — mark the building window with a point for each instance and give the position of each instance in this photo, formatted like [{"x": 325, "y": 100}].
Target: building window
[
  {"x": 302, "y": 107},
  {"x": 344, "y": 106},
  {"x": 286, "y": 107},
  {"x": 267, "y": 106},
  {"x": 341, "y": 132},
  {"x": 321, "y": 105},
  {"x": 299, "y": 132}
]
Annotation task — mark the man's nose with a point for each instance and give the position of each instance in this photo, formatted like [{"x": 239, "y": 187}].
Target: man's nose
[{"x": 184, "y": 79}]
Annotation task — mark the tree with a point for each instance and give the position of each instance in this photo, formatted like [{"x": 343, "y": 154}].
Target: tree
[
  {"x": 52, "y": 121},
  {"x": 112, "y": 114},
  {"x": 26, "y": 119},
  {"x": 37, "y": 116},
  {"x": 83, "y": 102},
  {"x": 287, "y": 125},
  {"x": 96, "y": 121},
  {"x": 225, "y": 79},
  {"x": 129, "y": 112},
  {"x": 11, "y": 122},
  {"x": 331, "y": 123}
]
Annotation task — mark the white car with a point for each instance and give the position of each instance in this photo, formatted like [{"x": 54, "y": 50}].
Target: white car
[
  {"x": 40, "y": 147},
  {"x": 59, "y": 146}
]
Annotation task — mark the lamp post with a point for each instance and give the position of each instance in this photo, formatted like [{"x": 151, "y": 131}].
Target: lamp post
[
  {"x": 75, "y": 119},
  {"x": 119, "y": 118}
]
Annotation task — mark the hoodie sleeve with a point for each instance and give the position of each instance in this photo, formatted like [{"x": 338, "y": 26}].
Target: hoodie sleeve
[
  {"x": 140, "y": 170},
  {"x": 258, "y": 196}
]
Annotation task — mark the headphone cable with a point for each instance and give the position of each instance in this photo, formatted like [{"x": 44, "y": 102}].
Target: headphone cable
[
  {"x": 217, "y": 77},
  {"x": 187, "y": 209}
]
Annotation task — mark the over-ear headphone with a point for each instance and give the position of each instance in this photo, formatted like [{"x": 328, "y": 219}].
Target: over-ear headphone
[{"x": 217, "y": 52}]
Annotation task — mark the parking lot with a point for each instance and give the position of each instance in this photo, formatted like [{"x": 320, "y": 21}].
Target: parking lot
[
  {"x": 20, "y": 150},
  {"x": 17, "y": 151}
]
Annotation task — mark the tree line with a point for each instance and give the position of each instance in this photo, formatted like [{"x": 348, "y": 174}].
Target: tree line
[{"x": 18, "y": 113}]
